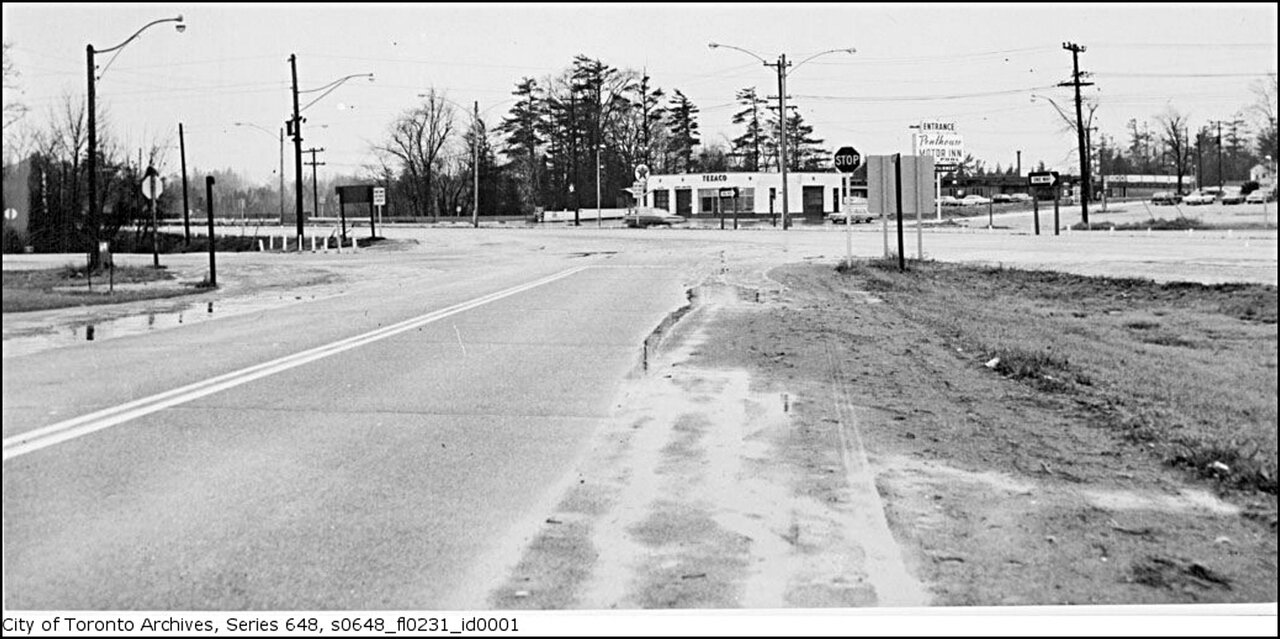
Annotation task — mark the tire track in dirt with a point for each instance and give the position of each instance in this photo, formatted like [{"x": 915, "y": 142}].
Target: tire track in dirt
[{"x": 702, "y": 491}]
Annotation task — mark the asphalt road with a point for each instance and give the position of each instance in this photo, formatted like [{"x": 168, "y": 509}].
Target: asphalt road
[{"x": 369, "y": 478}]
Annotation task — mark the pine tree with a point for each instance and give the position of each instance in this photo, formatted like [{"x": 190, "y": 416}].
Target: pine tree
[
  {"x": 748, "y": 145},
  {"x": 683, "y": 126}
]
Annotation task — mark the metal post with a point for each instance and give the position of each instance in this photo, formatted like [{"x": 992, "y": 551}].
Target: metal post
[
  {"x": 155, "y": 226},
  {"x": 915, "y": 192},
  {"x": 208, "y": 200},
  {"x": 1056, "y": 191},
  {"x": 297, "y": 148},
  {"x": 848, "y": 220},
  {"x": 186, "y": 210},
  {"x": 1035, "y": 206},
  {"x": 598, "y": 147},
  {"x": 373, "y": 230},
  {"x": 897, "y": 192}
]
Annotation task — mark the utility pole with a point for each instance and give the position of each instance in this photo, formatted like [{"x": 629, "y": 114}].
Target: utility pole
[
  {"x": 186, "y": 208},
  {"x": 315, "y": 193},
  {"x": 282, "y": 175},
  {"x": 295, "y": 129},
  {"x": 1076, "y": 50},
  {"x": 781, "y": 66},
  {"x": 1019, "y": 163},
  {"x": 475, "y": 165}
]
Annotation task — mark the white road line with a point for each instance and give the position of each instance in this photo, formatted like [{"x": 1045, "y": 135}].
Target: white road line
[{"x": 34, "y": 440}]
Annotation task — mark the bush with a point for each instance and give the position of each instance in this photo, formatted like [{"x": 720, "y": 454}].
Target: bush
[{"x": 15, "y": 241}]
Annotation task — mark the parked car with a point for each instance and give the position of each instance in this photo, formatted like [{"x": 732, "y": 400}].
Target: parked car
[
  {"x": 1002, "y": 198},
  {"x": 643, "y": 217},
  {"x": 1165, "y": 197},
  {"x": 949, "y": 200},
  {"x": 1020, "y": 197},
  {"x": 856, "y": 213},
  {"x": 1259, "y": 197},
  {"x": 974, "y": 199},
  {"x": 1232, "y": 195},
  {"x": 1197, "y": 197}
]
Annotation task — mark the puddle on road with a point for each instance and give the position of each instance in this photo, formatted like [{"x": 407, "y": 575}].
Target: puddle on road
[{"x": 194, "y": 313}]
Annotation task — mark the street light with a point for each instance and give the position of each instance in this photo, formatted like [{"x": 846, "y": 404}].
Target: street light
[
  {"x": 94, "y": 205},
  {"x": 294, "y": 126},
  {"x": 781, "y": 67},
  {"x": 264, "y": 130}
]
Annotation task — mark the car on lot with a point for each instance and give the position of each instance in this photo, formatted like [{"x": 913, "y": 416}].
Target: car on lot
[
  {"x": 949, "y": 200},
  {"x": 1165, "y": 197},
  {"x": 645, "y": 217},
  {"x": 973, "y": 199},
  {"x": 1259, "y": 197},
  {"x": 856, "y": 216},
  {"x": 1002, "y": 198},
  {"x": 1020, "y": 197},
  {"x": 1195, "y": 198},
  {"x": 1232, "y": 195}
]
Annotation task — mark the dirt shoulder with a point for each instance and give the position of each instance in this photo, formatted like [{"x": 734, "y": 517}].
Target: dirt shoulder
[{"x": 817, "y": 439}]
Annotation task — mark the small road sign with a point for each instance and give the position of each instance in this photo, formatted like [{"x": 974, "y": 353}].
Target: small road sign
[
  {"x": 152, "y": 185},
  {"x": 730, "y": 192},
  {"x": 847, "y": 159},
  {"x": 1042, "y": 178},
  {"x": 379, "y": 196}
]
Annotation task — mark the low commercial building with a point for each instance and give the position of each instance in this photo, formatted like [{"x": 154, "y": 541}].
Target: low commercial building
[{"x": 697, "y": 195}]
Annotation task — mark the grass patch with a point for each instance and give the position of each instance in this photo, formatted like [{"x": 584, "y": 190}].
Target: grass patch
[
  {"x": 44, "y": 289},
  {"x": 1198, "y": 386}
]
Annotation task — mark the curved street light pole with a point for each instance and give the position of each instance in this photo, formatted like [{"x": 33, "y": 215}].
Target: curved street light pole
[
  {"x": 781, "y": 67},
  {"x": 295, "y": 129},
  {"x": 94, "y": 204}
]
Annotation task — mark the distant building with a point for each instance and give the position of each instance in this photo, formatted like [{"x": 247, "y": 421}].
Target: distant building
[
  {"x": 1264, "y": 175},
  {"x": 759, "y": 194}
]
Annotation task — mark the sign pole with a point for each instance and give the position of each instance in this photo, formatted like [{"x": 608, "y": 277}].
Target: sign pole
[
  {"x": 915, "y": 192},
  {"x": 208, "y": 199},
  {"x": 848, "y": 222},
  {"x": 897, "y": 191},
  {"x": 1035, "y": 206},
  {"x": 1056, "y": 190}
]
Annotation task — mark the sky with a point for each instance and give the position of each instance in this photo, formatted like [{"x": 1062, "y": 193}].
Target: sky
[{"x": 976, "y": 65}]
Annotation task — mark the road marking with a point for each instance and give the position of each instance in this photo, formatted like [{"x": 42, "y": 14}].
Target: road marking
[{"x": 78, "y": 427}]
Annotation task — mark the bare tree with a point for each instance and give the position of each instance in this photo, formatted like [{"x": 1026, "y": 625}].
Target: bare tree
[
  {"x": 416, "y": 139},
  {"x": 1264, "y": 112},
  {"x": 1173, "y": 131},
  {"x": 13, "y": 110}
]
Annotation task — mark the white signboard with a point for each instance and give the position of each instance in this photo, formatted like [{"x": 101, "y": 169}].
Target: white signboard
[
  {"x": 379, "y": 196},
  {"x": 940, "y": 141}
]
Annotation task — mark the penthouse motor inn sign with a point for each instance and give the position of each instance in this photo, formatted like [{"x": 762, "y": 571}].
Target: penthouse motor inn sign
[{"x": 941, "y": 141}]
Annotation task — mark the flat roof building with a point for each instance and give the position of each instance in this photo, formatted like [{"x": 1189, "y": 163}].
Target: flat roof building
[{"x": 759, "y": 194}]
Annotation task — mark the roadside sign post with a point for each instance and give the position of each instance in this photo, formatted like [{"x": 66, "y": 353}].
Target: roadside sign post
[
  {"x": 897, "y": 196},
  {"x": 847, "y": 160},
  {"x": 379, "y": 201},
  {"x": 728, "y": 193},
  {"x": 1037, "y": 180},
  {"x": 208, "y": 199},
  {"x": 1056, "y": 191},
  {"x": 151, "y": 188}
]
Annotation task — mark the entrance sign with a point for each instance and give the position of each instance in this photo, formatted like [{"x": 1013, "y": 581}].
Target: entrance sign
[
  {"x": 379, "y": 196},
  {"x": 940, "y": 141}
]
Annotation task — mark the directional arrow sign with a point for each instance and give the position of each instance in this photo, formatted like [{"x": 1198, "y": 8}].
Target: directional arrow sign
[{"x": 1042, "y": 178}]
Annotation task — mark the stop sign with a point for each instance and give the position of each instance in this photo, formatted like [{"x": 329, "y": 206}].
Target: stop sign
[{"x": 847, "y": 159}]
